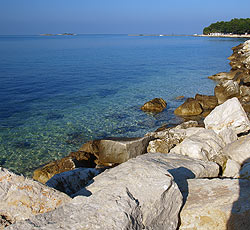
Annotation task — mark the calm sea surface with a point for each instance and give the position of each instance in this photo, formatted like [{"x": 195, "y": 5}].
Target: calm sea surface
[{"x": 58, "y": 92}]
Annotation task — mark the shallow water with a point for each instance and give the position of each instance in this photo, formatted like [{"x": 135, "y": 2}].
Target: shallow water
[{"x": 58, "y": 92}]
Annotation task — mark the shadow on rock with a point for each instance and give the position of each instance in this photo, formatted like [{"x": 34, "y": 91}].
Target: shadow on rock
[{"x": 240, "y": 213}]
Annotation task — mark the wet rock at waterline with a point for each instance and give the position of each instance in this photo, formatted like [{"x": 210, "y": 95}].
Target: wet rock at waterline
[
  {"x": 206, "y": 102},
  {"x": 72, "y": 161},
  {"x": 155, "y": 105},
  {"x": 190, "y": 107}
]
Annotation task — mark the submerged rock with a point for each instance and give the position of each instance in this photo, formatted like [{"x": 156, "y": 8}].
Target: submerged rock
[
  {"x": 22, "y": 198},
  {"x": 189, "y": 108},
  {"x": 155, "y": 105}
]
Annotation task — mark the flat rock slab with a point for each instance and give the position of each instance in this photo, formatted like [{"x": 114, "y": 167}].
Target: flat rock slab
[
  {"x": 21, "y": 198},
  {"x": 217, "y": 204},
  {"x": 228, "y": 115},
  {"x": 140, "y": 193},
  {"x": 116, "y": 150}
]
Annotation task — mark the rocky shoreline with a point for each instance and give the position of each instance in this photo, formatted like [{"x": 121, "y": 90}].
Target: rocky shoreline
[{"x": 190, "y": 176}]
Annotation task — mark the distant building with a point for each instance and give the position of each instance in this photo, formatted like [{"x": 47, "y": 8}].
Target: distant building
[{"x": 216, "y": 34}]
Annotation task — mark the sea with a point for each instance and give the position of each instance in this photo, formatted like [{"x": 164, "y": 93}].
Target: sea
[{"x": 58, "y": 92}]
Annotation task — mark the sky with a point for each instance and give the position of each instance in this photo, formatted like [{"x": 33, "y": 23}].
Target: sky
[{"x": 23, "y": 17}]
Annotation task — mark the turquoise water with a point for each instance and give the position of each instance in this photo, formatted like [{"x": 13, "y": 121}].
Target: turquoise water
[{"x": 58, "y": 92}]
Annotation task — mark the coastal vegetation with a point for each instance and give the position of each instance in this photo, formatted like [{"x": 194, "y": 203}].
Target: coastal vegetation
[{"x": 235, "y": 26}]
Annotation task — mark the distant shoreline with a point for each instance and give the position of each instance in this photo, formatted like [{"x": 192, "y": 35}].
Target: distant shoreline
[
  {"x": 196, "y": 35},
  {"x": 224, "y": 35}
]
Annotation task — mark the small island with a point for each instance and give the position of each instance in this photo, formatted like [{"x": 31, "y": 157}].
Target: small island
[{"x": 63, "y": 34}]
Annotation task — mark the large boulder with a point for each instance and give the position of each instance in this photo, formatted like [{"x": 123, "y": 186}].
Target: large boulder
[
  {"x": 22, "y": 198},
  {"x": 204, "y": 145},
  {"x": 72, "y": 161},
  {"x": 139, "y": 194},
  {"x": 112, "y": 151},
  {"x": 217, "y": 204},
  {"x": 228, "y": 115},
  {"x": 239, "y": 150},
  {"x": 155, "y": 105},
  {"x": 72, "y": 181},
  {"x": 190, "y": 107},
  {"x": 206, "y": 102}
]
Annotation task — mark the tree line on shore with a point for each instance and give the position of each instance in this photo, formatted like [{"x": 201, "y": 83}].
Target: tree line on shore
[{"x": 235, "y": 26}]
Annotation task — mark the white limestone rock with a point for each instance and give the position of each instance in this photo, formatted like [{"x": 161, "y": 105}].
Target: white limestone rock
[
  {"x": 72, "y": 181},
  {"x": 228, "y": 135},
  {"x": 232, "y": 169},
  {"x": 138, "y": 194},
  {"x": 170, "y": 138},
  {"x": 238, "y": 150},
  {"x": 22, "y": 198},
  {"x": 216, "y": 204},
  {"x": 230, "y": 114},
  {"x": 204, "y": 145}
]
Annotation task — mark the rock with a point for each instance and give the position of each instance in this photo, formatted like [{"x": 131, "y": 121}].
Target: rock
[
  {"x": 204, "y": 145},
  {"x": 135, "y": 195},
  {"x": 245, "y": 171},
  {"x": 228, "y": 115},
  {"x": 228, "y": 136},
  {"x": 179, "y": 98},
  {"x": 206, "y": 102},
  {"x": 217, "y": 204},
  {"x": 190, "y": 107},
  {"x": 226, "y": 90},
  {"x": 72, "y": 181},
  {"x": 244, "y": 91},
  {"x": 21, "y": 198},
  {"x": 116, "y": 150},
  {"x": 232, "y": 169},
  {"x": 224, "y": 76},
  {"x": 74, "y": 160},
  {"x": 138, "y": 194},
  {"x": 170, "y": 138},
  {"x": 159, "y": 146},
  {"x": 155, "y": 105},
  {"x": 238, "y": 150},
  {"x": 162, "y": 132}
]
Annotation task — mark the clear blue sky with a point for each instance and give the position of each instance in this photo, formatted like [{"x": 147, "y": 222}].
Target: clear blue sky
[{"x": 116, "y": 16}]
